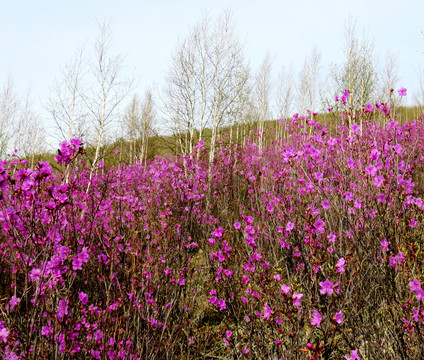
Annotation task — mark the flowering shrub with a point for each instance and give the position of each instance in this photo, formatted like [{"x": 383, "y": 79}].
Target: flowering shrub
[{"x": 309, "y": 248}]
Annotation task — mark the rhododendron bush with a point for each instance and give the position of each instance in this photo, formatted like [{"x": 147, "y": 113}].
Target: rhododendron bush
[{"x": 309, "y": 248}]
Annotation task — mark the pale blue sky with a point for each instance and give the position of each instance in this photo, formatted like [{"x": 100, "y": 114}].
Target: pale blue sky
[{"x": 37, "y": 38}]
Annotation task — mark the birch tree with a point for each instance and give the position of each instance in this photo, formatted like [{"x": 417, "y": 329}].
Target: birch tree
[
  {"x": 390, "y": 80},
  {"x": 138, "y": 121},
  {"x": 284, "y": 93},
  {"x": 65, "y": 103},
  {"x": 8, "y": 109},
  {"x": 263, "y": 93},
  {"x": 308, "y": 82},
  {"x": 29, "y": 134},
  {"x": 106, "y": 91},
  {"x": 207, "y": 76},
  {"x": 358, "y": 73}
]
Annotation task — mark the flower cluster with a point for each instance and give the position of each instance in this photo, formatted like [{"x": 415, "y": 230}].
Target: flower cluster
[{"x": 302, "y": 248}]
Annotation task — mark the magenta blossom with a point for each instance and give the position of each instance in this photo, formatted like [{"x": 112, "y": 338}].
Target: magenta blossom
[
  {"x": 285, "y": 289},
  {"x": 385, "y": 245},
  {"x": 345, "y": 96},
  {"x": 267, "y": 312},
  {"x": 415, "y": 285},
  {"x": 316, "y": 318},
  {"x": 13, "y": 301},
  {"x": 402, "y": 91},
  {"x": 378, "y": 181},
  {"x": 326, "y": 287},
  {"x": 355, "y": 128},
  {"x": 218, "y": 232},
  {"x": 4, "y": 333},
  {"x": 83, "y": 297},
  {"x": 325, "y": 204},
  {"x": 369, "y": 108},
  {"x": 289, "y": 226},
  {"x": 340, "y": 265},
  {"x": 296, "y": 299},
  {"x": 353, "y": 355},
  {"x": 47, "y": 331},
  {"x": 339, "y": 317}
]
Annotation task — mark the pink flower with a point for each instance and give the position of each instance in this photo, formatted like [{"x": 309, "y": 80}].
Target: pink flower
[
  {"x": 371, "y": 170},
  {"x": 345, "y": 96},
  {"x": 221, "y": 304},
  {"x": 353, "y": 355},
  {"x": 267, "y": 312},
  {"x": 13, "y": 301},
  {"x": 47, "y": 331},
  {"x": 83, "y": 297},
  {"x": 62, "y": 309},
  {"x": 248, "y": 219},
  {"x": 319, "y": 226},
  {"x": 339, "y": 317},
  {"x": 375, "y": 154},
  {"x": 413, "y": 223},
  {"x": 378, "y": 181},
  {"x": 237, "y": 225},
  {"x": 340, "y": 265},
  {"x": 245, "y": 351},
  {"x": 385, "y": 245},
  {"x": 326, "y": 287},
  {"x": 98, "y": 335},
  {"x": 402, "y": 91},
  {"x": 256, "y": 256},
  {"x": 4, "y": 333},
  {"x": 76, "y": 263},
  {"x": 218, "y": 232},
  {"x": 381, "y": 198},
  {"x": 420, "y": 294},
  {"x": 83, "y": 255},
  {"x": 316, "y": 318},
  {"x": 285, "y": 289},
  {"x": 35, "y": 275},
  {"x": 228, "y": 333},
  {"x": 332, "y": 238},
  {"x": 228, "y": 272},
  {"x": 289, "y": 226},
  {"x": 355, "y": 128},
  {"x": 415, "y": 285},
  {"x": 325, "y": 204},
  {"x": 416, "y": 314},
  {"x": 181, "y": 281},
  {"x": 296, "y": 299}
]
